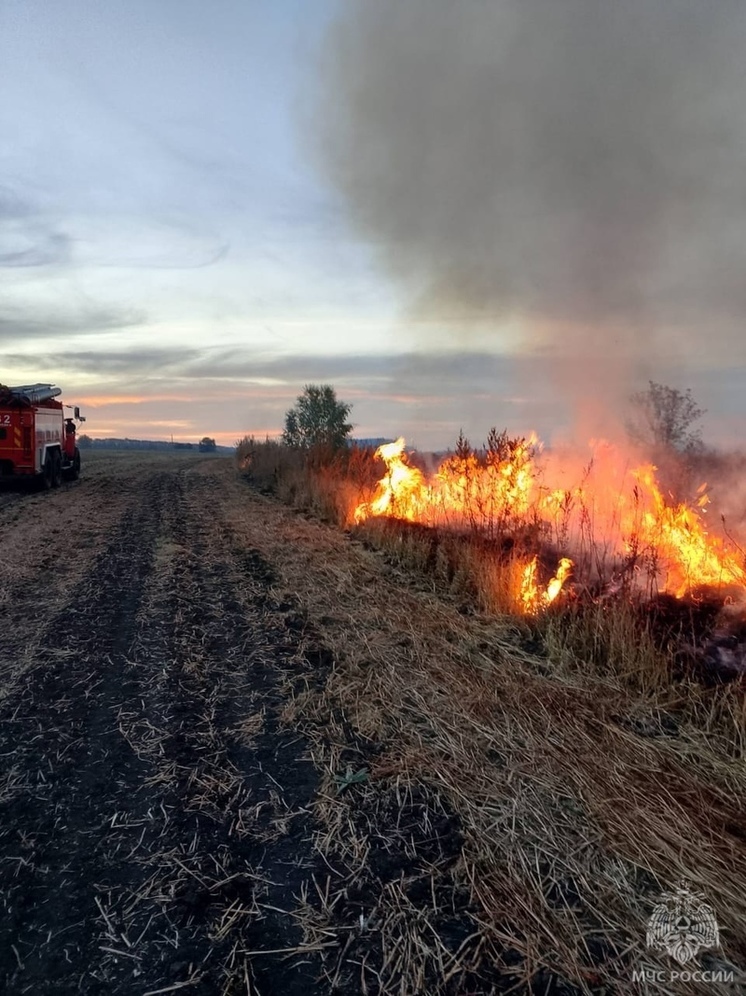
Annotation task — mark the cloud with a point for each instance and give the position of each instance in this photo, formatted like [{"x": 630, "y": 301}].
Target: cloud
[
  {"x": 12, "y": 205},
  {"x": 427, "y": 396},
  {"x": 17, "y": 325},
  {"x": 46, "y": 250},
  {"x": 152, "y": 361},
  {"x": 151, "y": 243},
  {"x": 27, "y": 238},
  {"x": 154, "y": 240}
]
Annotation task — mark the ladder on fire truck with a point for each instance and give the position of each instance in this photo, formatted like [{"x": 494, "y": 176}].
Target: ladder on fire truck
[{"x": 33, "y": 394}]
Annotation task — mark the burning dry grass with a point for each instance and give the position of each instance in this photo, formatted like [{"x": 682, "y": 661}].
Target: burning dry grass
[
  {"x": 584, "y": 776},
  {"x": 486, "y": 530},
  {"x": 331, "y": 482}
]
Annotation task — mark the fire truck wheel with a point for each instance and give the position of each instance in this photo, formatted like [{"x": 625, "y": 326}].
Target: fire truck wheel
[
  {"x": 72, "y": 471},
  {"x": 47, "y": 474},
  {"x": 56, "y": 470}
]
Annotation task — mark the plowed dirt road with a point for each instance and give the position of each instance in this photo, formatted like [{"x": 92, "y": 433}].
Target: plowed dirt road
[{"x": 153, "y": 814}]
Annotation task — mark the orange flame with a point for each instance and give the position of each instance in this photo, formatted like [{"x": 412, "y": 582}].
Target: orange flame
[
  {"x": 503, "y": 489},
  {"x": 532, "y": 599},
  {"x": 401, "y": 492},
  {"x": 676, "y": 534},
  {"x": 502, "y": 492}
]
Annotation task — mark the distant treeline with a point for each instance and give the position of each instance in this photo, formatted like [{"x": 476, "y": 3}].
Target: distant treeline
[
  {"x": 85, "y": 442},
  {"x": 373, "y": 443},
  {"x": 205, "y": 445}
]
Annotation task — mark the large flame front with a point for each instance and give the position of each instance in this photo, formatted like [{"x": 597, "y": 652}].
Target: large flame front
[
  {"x": 619, "y": 511},
  {"x": 402, "y": 492},
  {"x": 691, "y": 555},
  {"x": 500, "y": 490}
]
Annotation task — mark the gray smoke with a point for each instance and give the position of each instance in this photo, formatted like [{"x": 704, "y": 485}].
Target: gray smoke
[{"x": 579, "y": 164}]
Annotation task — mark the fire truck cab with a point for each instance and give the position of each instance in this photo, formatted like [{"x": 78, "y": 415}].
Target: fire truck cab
[{"x": 37, "y": 442}]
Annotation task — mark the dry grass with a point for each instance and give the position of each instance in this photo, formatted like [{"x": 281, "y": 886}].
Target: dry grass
[
  {"x": 330, "y": 483},
  {"x": 145, "y": 710},
  {"x": 601, "y": 621},
  {"x": 584, "y": 780},
  {"x": 204, "y": 702}
]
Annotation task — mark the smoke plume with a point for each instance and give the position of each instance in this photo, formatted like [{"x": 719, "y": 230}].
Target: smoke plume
[{"x": 577, "y": 165}]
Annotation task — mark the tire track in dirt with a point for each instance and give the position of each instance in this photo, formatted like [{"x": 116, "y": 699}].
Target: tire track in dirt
[
  {"x": 154, "y": 813},
  {"x": 234, "y": 852},
  {"x": 48, "y": 544},
  {"x": 58, "y": 734}
]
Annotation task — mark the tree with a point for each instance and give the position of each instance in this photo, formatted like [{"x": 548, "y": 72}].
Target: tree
[
  {"x": 317, "y": 418},
  {"x": 84, "y": 441},
  {"x": 207, "y": 445},
  {"x": 664, "y": 418}
]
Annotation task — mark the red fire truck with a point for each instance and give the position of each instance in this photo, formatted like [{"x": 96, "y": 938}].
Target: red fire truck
[{"x": 37, "y": 442}]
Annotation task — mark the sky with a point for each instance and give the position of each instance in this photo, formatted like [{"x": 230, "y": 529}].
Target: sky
[{"x": 205, "y": 207}]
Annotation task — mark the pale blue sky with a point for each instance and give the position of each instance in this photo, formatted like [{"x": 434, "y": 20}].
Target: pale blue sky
[
  {"x": 172, "y": 254},
  {"x": 156, "y": 193}
]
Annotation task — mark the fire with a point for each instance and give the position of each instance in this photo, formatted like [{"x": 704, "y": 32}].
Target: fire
[
  {"x": 401, "y": 493},
  {"x": 619, "y": 514},
  {"x": 532, "y": 599},
  {"x": 677, "y": 535},
  {"x": 500, "y": 490},
  {"x": 555, "y": 585}
]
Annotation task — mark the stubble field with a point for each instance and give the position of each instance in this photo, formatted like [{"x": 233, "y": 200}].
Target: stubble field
[{"x": 244, "y": 753}]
